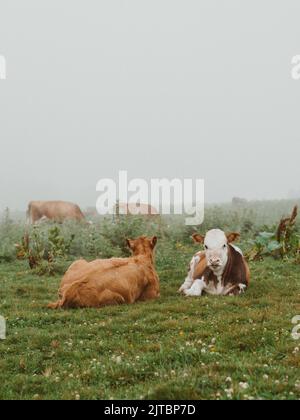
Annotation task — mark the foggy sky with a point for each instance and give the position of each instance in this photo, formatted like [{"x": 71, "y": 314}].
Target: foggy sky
[{"x": 161, "y": 88}]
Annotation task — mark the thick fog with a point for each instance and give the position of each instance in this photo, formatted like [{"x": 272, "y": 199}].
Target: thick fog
[{"x": 160, "y": 88}]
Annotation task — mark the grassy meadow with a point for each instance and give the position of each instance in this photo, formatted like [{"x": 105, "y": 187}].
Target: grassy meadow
[{"x": 172, "y": 348}]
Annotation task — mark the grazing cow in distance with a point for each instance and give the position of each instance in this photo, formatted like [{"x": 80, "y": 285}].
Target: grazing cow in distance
[
  {"x": 220, "y": 270},
  {"x": 112, "y": 281},
  {"x": 58, "y": 211}
]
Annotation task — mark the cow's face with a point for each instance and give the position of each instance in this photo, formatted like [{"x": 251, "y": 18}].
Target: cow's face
[{"x": 216, "y": 247}]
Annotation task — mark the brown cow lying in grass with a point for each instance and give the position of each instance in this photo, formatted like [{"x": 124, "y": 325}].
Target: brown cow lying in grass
[{"x": 113, "y": 281}]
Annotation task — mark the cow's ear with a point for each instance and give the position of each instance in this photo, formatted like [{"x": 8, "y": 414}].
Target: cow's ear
[
  {"x": 199, "y": 239},
  {"x": 130, "y": 243},
  {"x": 153, "y": 241},
  {"x": 232, "y": 237}
]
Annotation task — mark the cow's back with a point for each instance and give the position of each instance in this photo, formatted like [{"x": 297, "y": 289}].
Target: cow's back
[
  {"x": 82, "y": 269},
  {"x": 126, "y": 276}
]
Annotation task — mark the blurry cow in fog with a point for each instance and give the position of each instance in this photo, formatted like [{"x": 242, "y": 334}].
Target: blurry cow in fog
[{"x": 58, "y": 211}]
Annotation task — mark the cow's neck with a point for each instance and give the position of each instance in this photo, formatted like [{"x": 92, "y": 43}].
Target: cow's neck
[
  {"x": 221, "y": 272},
  {"x": 218, "y": 273},
  {"x": 146, "y": 258},
  {"x": 228, "y": 267}
]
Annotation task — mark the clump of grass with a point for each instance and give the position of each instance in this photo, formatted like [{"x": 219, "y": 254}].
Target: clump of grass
[
  {"x": 10, "y": 233},
  {"x": 174, "y": 347}
]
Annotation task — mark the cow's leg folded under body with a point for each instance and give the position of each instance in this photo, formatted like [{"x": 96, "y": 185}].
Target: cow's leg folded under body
[
  {"x": 107, "y": 297},
  {"x": 149, "y": 293},
  {"x": 196, "y": 289},
  {"x": 83, "y": 295},
  {"x": 236, "y": 290},
  {"x": 190, "y": 277}
]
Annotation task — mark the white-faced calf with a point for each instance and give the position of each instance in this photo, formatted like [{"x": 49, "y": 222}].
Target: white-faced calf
[{"x": 220, "y": 270}]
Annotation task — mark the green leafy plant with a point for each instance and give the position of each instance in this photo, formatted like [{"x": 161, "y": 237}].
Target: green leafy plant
[
  {"x": 264, "y": 244},
  {"x": 287, "y": 234},
  {"x": 59, "y": 246},
  {"x": 283, "y": 242},
  {"x": 44, "y": 252}
]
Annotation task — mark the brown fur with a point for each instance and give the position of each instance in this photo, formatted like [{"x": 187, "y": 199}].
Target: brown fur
[
  {"x": 58, "y": 211},
  {"x": 111, "y": 282},
  {"x": 201, "y": 266}
]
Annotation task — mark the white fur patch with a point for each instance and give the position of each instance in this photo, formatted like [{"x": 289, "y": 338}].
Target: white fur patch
[
  {"x": 242, "y": 287},
  {"x": 196, "y": 289},
  {"x": 190, "y": 277},
  {"x": 216, "y": 250},
  {"x": 215, "y": 239}
]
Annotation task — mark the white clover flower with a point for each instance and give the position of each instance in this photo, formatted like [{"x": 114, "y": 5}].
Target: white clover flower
[{"x": 243, "y": 385}]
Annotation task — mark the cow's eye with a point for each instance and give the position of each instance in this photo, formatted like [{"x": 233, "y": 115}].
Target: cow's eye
[
  {"x": 205, "y": 246},
  {"x": 225, "y": 246}
]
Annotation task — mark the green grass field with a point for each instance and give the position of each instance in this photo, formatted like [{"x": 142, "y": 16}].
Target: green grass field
[{"x": 173, "y": 348}]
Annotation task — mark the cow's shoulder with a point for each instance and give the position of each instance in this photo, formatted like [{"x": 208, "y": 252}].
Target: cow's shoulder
[
  {"x": 198, "y": 265},
  {"x": 235, "y": 270}
]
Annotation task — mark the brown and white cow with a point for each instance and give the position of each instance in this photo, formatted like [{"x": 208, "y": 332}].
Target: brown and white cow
[
  {"x": 112, "y": 281},
  {"x": 58, "y": 211},
  {"x": 220, "y": 270}
]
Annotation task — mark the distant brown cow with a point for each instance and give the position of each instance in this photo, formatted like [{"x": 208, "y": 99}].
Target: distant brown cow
[
  {"x": 113, "y": 281},
  {"x": 58, "y": 211}
]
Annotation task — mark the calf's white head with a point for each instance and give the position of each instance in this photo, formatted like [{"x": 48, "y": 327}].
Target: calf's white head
[{"x": 216, "y": 244}]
